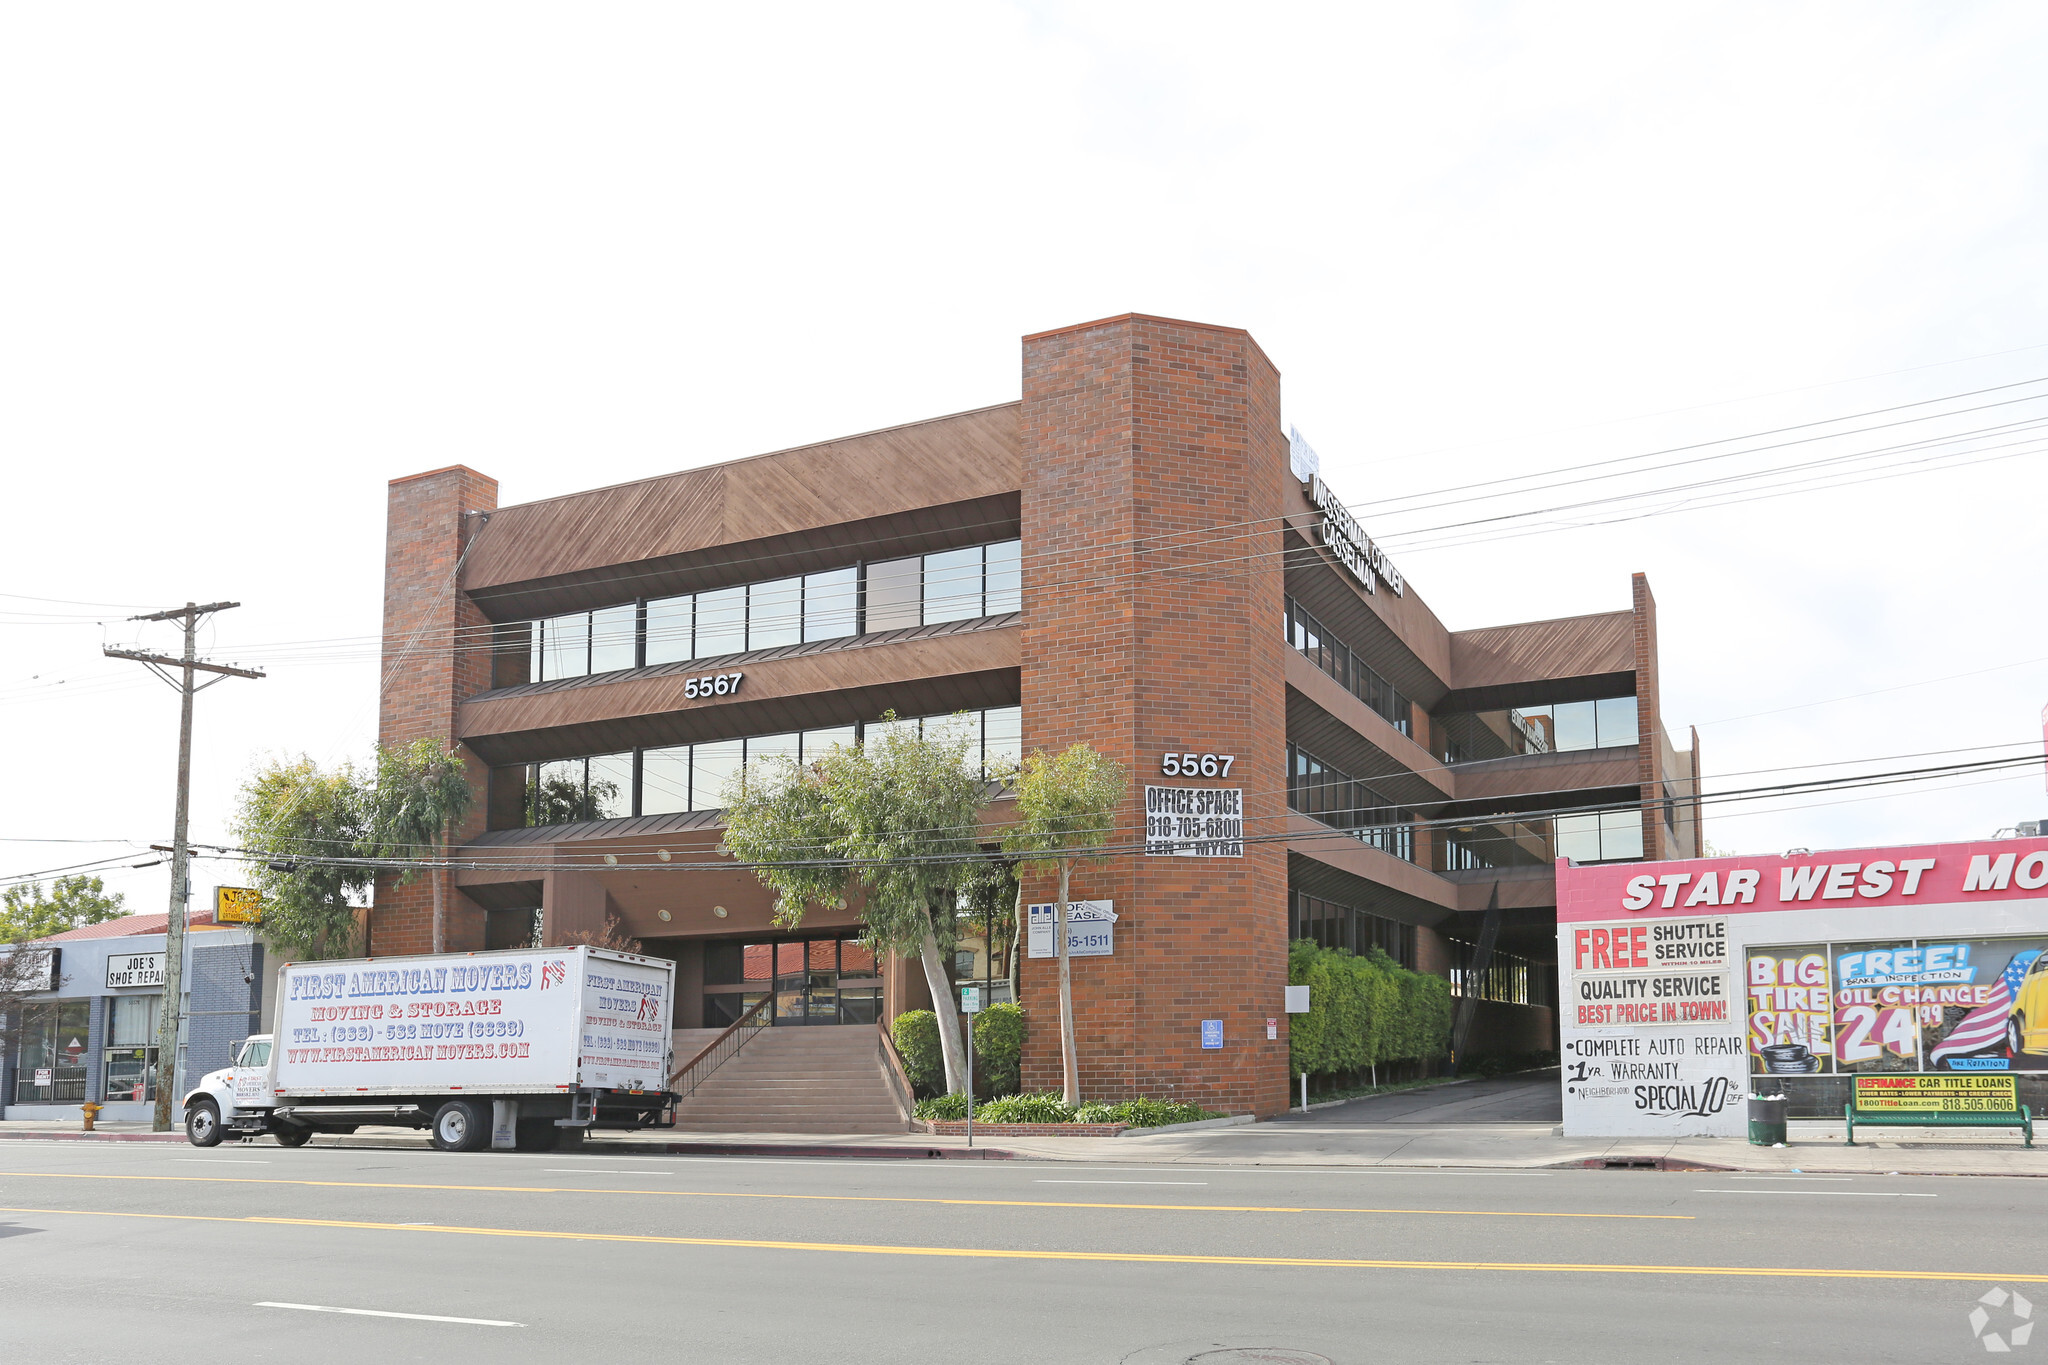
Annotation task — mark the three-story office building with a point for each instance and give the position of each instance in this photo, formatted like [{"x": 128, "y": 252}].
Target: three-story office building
[{"x": 1135, "y": 555}]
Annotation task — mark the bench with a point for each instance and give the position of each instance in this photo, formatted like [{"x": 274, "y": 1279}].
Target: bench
[{"x": 2021, "y": 1118}]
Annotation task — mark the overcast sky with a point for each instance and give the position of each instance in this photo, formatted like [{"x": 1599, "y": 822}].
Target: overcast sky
[{"x": 258, "y": 260}]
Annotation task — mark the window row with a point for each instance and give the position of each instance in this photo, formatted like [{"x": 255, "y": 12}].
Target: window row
[
  {"x": 1315, "y": 788},
  {"x": 1472, "y": 736},
  {"x": 1507, "y": 977},
  {"x": 1357, "y": 931},
  {"x": 921, "y": 590},
  {"x": 694, "y": 777},
  {"x": 1335, "y": 658}
]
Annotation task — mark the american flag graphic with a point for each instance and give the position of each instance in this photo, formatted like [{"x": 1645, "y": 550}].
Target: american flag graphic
[{"x": 1985, "y": 1026}]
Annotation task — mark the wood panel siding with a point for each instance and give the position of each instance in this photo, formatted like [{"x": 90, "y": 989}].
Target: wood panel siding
[
  {"x": 951, "y": 469},
  {"x": 1567, "y": 647}
]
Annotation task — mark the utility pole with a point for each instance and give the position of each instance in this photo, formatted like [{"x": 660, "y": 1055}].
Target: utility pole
[{"x": 167, "y": 1017}]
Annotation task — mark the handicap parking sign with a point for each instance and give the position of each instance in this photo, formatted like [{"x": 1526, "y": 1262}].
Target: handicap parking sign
[{"x": 1212, "y": 1033}]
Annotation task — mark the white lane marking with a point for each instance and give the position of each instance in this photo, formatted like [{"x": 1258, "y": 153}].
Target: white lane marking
[
  {"x": 1847, "y": 1194},
  {"x": 602, "y": 1170},
  {"x": 380, "y": 1313},
  {"x": 1120, "y": 1182},
  {"x": 220, "y": 1160},
  {"x": 1791, "y": 1177}
]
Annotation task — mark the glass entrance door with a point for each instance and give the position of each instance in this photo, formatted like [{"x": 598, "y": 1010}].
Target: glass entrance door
[{"x": 811, "y": 981}]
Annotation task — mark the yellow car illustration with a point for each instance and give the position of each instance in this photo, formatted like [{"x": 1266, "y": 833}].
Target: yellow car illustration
[{"x": 2027, "y": 1029}]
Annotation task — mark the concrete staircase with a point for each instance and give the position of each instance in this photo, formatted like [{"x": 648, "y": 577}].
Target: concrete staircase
[{"x": 821, "y": 1078}]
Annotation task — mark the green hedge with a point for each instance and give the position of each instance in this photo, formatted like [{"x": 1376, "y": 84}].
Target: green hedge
[
  {"x": 917, "y": 1040},
  {"x": 999, "y": 1033},
  {"x": 1364, "y": 1011}
]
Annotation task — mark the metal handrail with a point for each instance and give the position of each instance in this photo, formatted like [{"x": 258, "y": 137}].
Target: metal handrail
[{"x": 725, "y": 1046}]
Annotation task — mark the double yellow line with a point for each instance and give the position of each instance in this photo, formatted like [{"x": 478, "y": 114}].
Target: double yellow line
[
  {"x": 1119, "y": 1257},
  {"x": 836, "y": 1198}
]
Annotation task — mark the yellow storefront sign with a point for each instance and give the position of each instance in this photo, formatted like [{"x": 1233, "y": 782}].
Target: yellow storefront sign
[
  {"x": 1937, "y": 1094},
  {"x": 237, "y": 905}
]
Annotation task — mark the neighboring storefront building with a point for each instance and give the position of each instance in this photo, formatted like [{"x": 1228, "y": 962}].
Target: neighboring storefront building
[
  {"x": 1137, "y": 555},
  {"x": 92, "y": 1034},
  {"x": 1688, "y": 984}
]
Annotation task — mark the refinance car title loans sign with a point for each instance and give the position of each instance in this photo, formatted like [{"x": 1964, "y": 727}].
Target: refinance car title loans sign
[{"x": 1684, "y": 985}]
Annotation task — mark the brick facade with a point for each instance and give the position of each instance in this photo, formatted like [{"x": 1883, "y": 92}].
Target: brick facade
[
  {"x": 1141, "y": 435},
  {"x": 436, "y": 655}
]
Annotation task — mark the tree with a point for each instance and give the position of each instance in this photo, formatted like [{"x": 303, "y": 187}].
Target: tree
[
  {"x": 73, "y": 903},
  {"x": 892, "y": 822},
  {"x": 1066, "y": 809},
  {"x": 422, "y": 793},
  {"x": 308, "y": 823}
]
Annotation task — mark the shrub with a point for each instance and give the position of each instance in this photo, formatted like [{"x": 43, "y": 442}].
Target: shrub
[
  {"x": 917, "y": 1039},
  {"x": 943, "y": 1107},
  {"x": 1141, "y": 1113},
  {"x": 1047, "y": 1107},
  {"x": 999, "y": 1034}
]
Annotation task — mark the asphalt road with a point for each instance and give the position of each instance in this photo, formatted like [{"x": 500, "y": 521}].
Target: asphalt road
[{"x": 108, "y": 1251}]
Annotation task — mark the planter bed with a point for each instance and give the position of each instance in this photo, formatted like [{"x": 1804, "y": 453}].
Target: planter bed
[{"x": 958, "y": 1128}]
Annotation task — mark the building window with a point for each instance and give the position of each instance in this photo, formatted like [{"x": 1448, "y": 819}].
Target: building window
[
  {"x": 50, "y": 1057},
  {"x": 1315, "y": 788},
  {"x": 694, "y": 777},
  {"x": 130, "y": 1070},
  {"x": 1600, "y": 837},
  {"x": 1357, "y": 931},
  {"x": 1561, "y": 727},
  {"x": 1335, "y": 658},
  {"x": 564, "y": 791}
]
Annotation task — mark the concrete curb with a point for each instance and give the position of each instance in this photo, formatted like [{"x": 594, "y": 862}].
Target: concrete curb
[{"x": 60, "y": 1136}]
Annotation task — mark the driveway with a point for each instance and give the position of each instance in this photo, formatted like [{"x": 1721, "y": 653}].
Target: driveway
[{"x": 1527, "y": 1097}]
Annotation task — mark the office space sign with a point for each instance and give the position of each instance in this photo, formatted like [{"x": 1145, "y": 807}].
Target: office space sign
[
  {"x": 127, "y": 970},
  {"x": 1194, "y": 822}
]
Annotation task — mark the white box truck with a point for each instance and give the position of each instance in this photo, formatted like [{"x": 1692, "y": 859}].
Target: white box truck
[{"x": 524, "y": 1048}]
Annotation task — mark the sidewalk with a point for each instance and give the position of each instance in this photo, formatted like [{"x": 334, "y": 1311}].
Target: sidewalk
[{"x": 1307, "y": 1141}]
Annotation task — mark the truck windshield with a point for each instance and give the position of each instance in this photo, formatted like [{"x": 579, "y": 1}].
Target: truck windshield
[{"x": 256, "y": 1053}]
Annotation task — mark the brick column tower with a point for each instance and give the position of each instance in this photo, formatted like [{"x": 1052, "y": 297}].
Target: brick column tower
[
  {"x": 436, "y": 654},
  {"x": 1153, "y": 470},
  {"x": 1649, "y": 717}
]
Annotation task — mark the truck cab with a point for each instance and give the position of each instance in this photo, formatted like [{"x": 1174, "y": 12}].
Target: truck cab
[{"x": 237, "y": 1098}]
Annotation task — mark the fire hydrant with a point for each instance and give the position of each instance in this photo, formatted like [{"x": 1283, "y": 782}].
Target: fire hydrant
[{"x": 90, "y": 1112}]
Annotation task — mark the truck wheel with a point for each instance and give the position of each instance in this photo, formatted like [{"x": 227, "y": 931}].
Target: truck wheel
[
  {"x": 202, "y": 1124},
  {"x": 293, "y": 1137},
  {"x": 460, "y": 1127}
]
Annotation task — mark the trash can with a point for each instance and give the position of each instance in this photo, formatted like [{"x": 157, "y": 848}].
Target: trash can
[{"x": 1766, "y": 1120}]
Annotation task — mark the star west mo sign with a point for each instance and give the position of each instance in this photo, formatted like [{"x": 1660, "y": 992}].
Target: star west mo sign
[{"x": 1091, "y": 929}]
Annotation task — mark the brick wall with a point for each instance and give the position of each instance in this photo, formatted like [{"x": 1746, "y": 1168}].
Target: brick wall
[
  {"x": 1141, "y": 436},
  {"x": 435, "y": 654}
]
